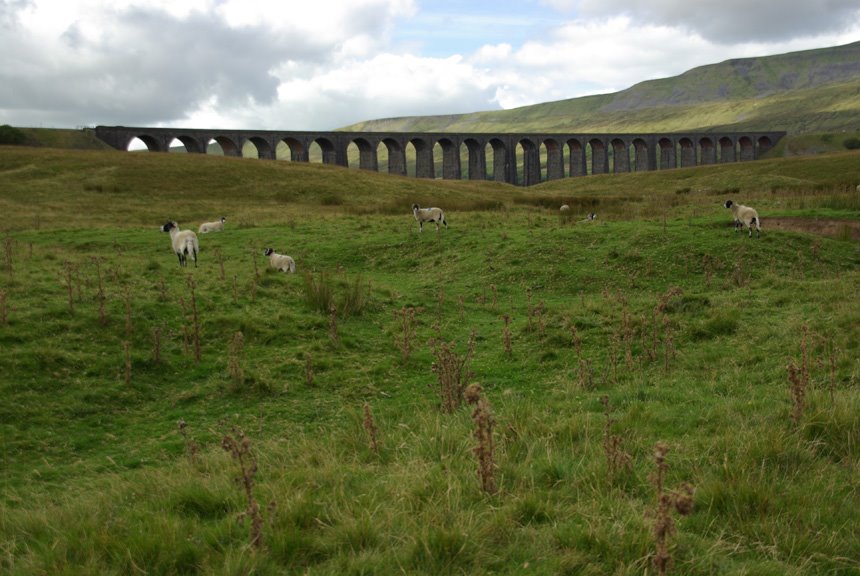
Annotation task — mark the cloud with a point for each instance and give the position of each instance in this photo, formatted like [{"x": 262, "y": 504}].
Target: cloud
[
  {"x": 328, "y": 63},
  {"x": 732, "y": 21}
]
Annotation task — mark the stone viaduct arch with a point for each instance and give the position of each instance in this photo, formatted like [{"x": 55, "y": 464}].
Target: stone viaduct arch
[{"x": 544, "y": 156}]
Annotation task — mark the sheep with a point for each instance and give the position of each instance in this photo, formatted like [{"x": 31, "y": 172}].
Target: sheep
[
  {"x": 744, "y": 216},
  {"x": 217, "y": 226},
  {"x": 184, "y": 242},
  {"x": 423, "y": 215},
  {"x": 564, "y": 208},
  {"x": 280, "y": 262},
  {"x": 592, "y": 216}
]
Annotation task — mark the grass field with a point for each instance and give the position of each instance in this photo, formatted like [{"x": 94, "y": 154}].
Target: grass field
[{"x": 223, "y": 420}]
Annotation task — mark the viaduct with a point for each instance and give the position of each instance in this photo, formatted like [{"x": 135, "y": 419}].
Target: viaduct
[{"x": 583, "y": 153}]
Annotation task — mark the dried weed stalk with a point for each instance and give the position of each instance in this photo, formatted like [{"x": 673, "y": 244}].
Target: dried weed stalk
[
  {"x": 452, "y": 371},
  {"x": 798, "y": 378},
  {"x": 126, "y": 350},
  {"x": 100, "y": 294},
  {"x": 195, "y": 319},
  {"x": 239, "y": 449},
  {"x": 8, "y": 243},
  {"x": 332, "y": 323},
  {"x": 4, "y": 308},
  {"x": 484, "y": 451},
  {"x": 237, "y": 346},
  {"x": 371, "y": 429},
  {"x": 680, "y": 500},
  {"x": 191, "y": 447},
  {"x": 156, "y": 345},
  {"x": 506, "y": 336},
  {"x": 618, "y": 460},
  {"x": 309, "y": 371},
  {"x": 405, "y": 341}
]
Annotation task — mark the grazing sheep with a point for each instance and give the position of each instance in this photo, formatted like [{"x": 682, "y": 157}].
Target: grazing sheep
[
  {"x": 744, "y": 216},
  {"x": 564, "y": 208},
  {"x": 423, "y": 215},
  {"x": 217, "y": 226},
  {"x": 280, "y": 262},
  {"x": 184, "y": 242}
]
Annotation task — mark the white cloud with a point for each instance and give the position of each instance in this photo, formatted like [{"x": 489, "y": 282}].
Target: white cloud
[{"x": 328, "y": 63}]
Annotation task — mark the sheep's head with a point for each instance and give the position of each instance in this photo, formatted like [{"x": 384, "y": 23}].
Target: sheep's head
[
  {"x": 728, "y": 204},
  {"x": 415, "y": 207},
  {"x": 168, "y": 226},
  {"x": 223, "y": 219},
  {"x": 268, "y": 251}
]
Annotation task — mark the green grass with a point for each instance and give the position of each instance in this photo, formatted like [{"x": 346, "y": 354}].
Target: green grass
[{"x": 96, "y": 477}]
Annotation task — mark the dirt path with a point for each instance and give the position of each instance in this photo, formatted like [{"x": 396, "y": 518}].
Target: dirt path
[{"x": 829, "y": 227}]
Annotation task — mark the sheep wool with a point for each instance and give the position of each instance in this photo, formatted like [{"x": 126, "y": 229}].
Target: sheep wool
[
  {"x": 434, "y": 215},
  {"x": 744, "y": 216},
  {"x": 564, "y": 208},
  {"x": 184, "y": 242},
  {"x": 280, "y": 262},
  {"x": 217, "y": 226}
]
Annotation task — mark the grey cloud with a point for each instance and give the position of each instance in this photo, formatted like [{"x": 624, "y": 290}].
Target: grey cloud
[
  {"x": 147, "y": 68},
  {"x": 733, "y": 21}
]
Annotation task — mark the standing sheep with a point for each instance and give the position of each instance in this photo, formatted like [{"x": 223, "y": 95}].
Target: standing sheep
[
  {"x": 423, "y": 215},
  {"x": 217, "y": 226},
  {"x": 280, "y": 262},
  {"x": 184, "y": 242},
  {"x": 744, "y": 216}
]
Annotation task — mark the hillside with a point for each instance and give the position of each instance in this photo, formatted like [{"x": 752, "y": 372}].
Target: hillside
[
  {"x": 230, "y": 419},
  {"x": 800, "y": 92}
]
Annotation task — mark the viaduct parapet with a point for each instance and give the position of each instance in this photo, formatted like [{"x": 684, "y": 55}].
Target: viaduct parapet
[{"x": 516, "y": 158}]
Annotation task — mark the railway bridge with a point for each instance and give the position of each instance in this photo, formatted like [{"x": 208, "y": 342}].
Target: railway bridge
[{"x": 525, "y": 158}]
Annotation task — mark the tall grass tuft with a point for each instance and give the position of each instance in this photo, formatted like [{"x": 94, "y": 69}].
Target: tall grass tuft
[
  {"x": 239, "y": 448},
  {"x": 484, "y": 422},
  {"x": 452, "y": 371}
]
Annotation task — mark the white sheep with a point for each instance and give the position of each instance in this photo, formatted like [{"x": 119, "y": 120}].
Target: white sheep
[
  {"x": 423, "y": 215},
  {"x": 564, "y": 208},
  {"x": 744, "y": 216},
  {"x": 184, "y": 242},
  {"x": 217, "y": 226},
  {"x": 280, "y": 262},
  {"x": 591, "y": 217}
]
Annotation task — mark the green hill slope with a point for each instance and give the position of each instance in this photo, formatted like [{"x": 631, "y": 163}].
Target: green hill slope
[{"x": 800, "y": 92}]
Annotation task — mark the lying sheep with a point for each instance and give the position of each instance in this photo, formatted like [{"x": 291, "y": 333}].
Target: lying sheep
[
  {"x": 591, "y": 217},
  {"x": 280, "y": 262},
  {"x": 217, "y": 226},
  {"x": 184, "y": 242},
  {"x": 423, "y": 215},
  {"x": 744, "y": 216}
]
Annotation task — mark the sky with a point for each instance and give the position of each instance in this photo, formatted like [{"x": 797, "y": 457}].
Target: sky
[{"x": 325, "y": 64}]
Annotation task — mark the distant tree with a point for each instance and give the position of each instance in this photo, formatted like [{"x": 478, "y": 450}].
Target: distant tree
[
  {"x": 11, "y": 135},
  {"x": 852, "y": 143}
]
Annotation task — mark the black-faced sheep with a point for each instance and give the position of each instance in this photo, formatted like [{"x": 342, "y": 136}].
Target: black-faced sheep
[
  {"x": 280, "y": 262},
  {"x": 423, "y": 215},
  {"x": 217, "y": 226},
  {"x": 184, "y": 242},
  {"x": 744, "y": 216}
]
